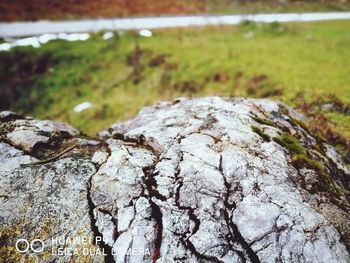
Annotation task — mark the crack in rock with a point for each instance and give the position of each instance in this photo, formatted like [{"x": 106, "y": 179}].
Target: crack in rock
[
  {"x": 194, "y": 180},
  {"x": 47, "y": 201},
  {"x": 96, "y": 234},
  {"x": 218, "y": 188},
  {"x": 151, "y": 186}
]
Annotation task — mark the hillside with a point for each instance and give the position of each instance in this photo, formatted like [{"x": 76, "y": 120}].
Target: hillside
[{"x": 56, "y": 9}]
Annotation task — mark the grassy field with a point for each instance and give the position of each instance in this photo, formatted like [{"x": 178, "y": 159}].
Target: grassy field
[
  {"x": 305, "y": 65},
  {"x": 266, "y": 6},
  {"x": 75, "y": 9}
]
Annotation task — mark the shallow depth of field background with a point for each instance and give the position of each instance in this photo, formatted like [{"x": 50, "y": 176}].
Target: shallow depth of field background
[{"x": 306, "y": 65}]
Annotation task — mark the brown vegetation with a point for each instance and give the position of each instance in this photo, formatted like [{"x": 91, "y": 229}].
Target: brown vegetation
[
  {"x": 323, "y": 127},
  {"x": 58, "y": 9}
]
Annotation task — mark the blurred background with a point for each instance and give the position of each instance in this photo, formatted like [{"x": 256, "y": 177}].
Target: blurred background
[
  {"x": 94, "y": 79},
  {"x": 12, "y": 10}
]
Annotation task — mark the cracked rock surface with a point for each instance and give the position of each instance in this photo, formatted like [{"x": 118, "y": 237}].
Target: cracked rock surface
[
  {"x": 192, "y": 180},
  {"x": 40, "y": 199}
]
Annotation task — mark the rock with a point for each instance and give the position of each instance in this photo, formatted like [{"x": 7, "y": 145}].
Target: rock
[
  {"x": 8, "y": 115},
  {"x": 211, "y": 180},
  {"x": 47, "y": 201},
  {"x": 192, "y": 180},
  {"x": 26, "y": 134},
  {"x": 26, "y": 139},
  {"x": 100, "y": 157}
]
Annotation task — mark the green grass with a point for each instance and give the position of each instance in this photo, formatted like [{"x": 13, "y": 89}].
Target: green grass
[
  {"x": 255, "y": 60},
  {"x": 236, "y": 6}
]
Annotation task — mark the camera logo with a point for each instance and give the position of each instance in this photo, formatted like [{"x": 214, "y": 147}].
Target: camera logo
[{"x": 36, "y": 245}]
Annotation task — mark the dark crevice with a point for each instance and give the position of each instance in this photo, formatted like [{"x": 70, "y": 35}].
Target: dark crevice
[
  {"x": 230, "y": 235},
  {"x": 96, "y": 233},
  {"x": 158, "y": 217},
  {"x": 115, "y": 232},
  {"x": 185, "y": 237},
  {"x": 234, "y": 233},
  {"x": 149, "y": 188},
  {"x": 150, "y": 184},
  {"x": 105, "y": 248},
  {"x": 190, "y": 210},
  {"x": 237, "y": 236},
  {"x": 141, "y": 141},
  {"x": 201, "y": 258},
  {"x": 228, "y": 238}
]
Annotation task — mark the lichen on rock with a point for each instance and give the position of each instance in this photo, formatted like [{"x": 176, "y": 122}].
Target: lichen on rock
[
  {"x": 40, "y": 199},
  {"x": 195, "y": 180}
]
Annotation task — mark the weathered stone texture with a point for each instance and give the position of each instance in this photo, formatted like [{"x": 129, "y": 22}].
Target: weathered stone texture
[
  {"x": 43, "y": 199},
  {"x": 192, "y": 180}
]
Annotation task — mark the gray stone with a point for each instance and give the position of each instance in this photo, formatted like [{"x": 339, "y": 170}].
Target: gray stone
[
  {"x": 27, "y": 133},
  {"x": 46, "y": 201},
  {"x": 195, "y": 179},
  {"x": 192, "y": 180}
]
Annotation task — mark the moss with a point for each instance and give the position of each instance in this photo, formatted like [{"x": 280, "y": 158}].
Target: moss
[
  {"x": 301, "y": 124},
  {"x": 294, "y": 122},
  {"x": 325, "y": 182},
  {"x": 301, "y": 161},
  {"x": 291, "y": 143},
  {"x": 313, "y": 132},
  {"x": 263, "y": 135},
  {"x": 264, "y": 121}
]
